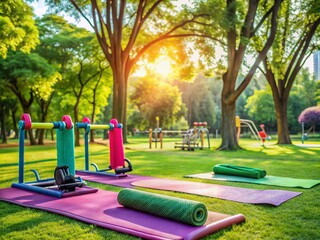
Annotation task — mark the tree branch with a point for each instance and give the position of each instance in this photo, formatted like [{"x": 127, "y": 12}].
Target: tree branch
[
  {"x": 108, "y": 14},
  {"x": 263, "y": 72},
  {"x": 262, "y": 54},
  {"x": 245, "y": 32},
  {"x": 164, "y": 37},
  {"x": 101, "y": 39},
  {"x": 253, "y": 32},
  {"x": 138, "y": 24},
  {"x": 299, "y": 64},
  {"x": 80, "y": 11}
]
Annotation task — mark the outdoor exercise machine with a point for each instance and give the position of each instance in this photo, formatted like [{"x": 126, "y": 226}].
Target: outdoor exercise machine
[
  {"x": 64, "y": 183},
  {"x": 158, "y": 137},
  {"x": 118, "y": 162},
  {"x": 195, "y": 137},
  {"x": 261, "y": 136}
]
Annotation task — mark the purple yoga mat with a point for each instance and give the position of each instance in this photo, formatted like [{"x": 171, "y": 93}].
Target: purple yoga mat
[
  {"x": 244, "y": 195},
  {"x": 114, "y": 181},
  {"x": 102, "y": 209}
]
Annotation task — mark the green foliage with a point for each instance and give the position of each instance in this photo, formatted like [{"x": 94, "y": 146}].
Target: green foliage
[
  {"x": 202, "y": 101},
  {"x": 81, "y": 63},
  {"x": 306, "y": 87},
  {"x": 58, "y": 39},
  {"x": 28, "y": 72},
  {"x": 294, "y": 22},
  {"x": 201, "y": 97},
  {"x": 260, "y": 107},
  {"x": 317, "y": 93},
  {"x": 17, "y": 27},
  {"x": 257, "y": 83},
  {"x": 156, "y": 98}
]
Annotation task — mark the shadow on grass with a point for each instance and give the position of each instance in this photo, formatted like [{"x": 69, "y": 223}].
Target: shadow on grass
[{"x": 14, "y": 209}]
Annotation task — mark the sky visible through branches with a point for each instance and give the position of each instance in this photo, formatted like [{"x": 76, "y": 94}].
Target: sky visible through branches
[{"x": 40, "y": 9}]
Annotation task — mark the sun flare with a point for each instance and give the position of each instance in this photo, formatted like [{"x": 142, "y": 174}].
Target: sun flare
[{"x": 162, "y": 66}]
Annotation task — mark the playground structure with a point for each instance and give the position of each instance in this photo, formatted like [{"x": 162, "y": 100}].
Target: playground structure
[
  {"x": 158, "y": 137},
  {"x": 118, "y": 162},
  {"x": 261, "y": 136},
  {"x": 64, "y": 183},
  {"x": 194, "y": 138}
]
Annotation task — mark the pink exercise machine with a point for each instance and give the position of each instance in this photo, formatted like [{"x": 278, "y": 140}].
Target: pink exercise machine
[{"x": 118, "y": 162}]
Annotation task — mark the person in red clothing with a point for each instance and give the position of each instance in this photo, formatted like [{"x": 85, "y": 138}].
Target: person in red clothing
[{"x": 263, "y": 135}]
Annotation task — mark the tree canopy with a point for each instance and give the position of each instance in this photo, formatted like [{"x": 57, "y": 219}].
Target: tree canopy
[
  {"x": 310, "y": 115},
  {"x": 296, "y": 39},
  {"x": 126, "y": 30},
  {"x": 17, "y": 27},
  {"x": 154, "y": 98}
]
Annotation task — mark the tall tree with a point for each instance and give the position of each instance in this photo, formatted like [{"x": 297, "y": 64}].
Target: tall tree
[
  {"x": 125, "y": 30},
  {"x": 293, "y": 45},
  {"x": 17, "y": 27},
  {"x": 241, "y": 25}
]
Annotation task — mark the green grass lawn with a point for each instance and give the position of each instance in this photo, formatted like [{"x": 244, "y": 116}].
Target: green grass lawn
[{"x": 299, "y": 218}]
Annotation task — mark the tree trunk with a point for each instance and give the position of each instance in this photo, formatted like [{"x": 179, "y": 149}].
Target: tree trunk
[
  {"x": 120, "y": 99},
  {"x": 76, "y": 119},
  {"x": 30, "y": 131},
  {"x": 92, "y": 132},
  {"x": 26, "y": 104},
  {"x": 228, "y": 124},
  {"x": 41, "y": 132},
  {"x": 3, "y": 125},
  {"x": 14, "y": 122},
  {"x": 282, "y": 122},
  {"x": 44, "y": 107},
  {"x": 52, "y": 135},
  {"x": 41, "y": 137},
  {"x": 280, "y": 95}
]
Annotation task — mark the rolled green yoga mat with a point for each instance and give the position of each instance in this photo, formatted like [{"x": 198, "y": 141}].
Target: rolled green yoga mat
[
  {"x": 229, "y": 169},
  {"x": 186, "y": 211}
]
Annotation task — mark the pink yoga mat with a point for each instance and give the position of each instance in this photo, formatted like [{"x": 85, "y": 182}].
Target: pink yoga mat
[
  {"x": 244, "y": 195},
  {"x": 100, "y": 177},
  {"x": 102, "y": 209}
]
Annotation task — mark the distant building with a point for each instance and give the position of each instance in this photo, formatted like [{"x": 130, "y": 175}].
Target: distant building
[{"x": 316, "y": 65}]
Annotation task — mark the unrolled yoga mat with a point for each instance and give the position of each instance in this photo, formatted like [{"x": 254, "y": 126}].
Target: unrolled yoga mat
[
  {"x": 114, "y": 181},
  {"x": 243, "y": 195},
  {"x": 102, "y": 209},
  {"x": 267, "y": 180}
]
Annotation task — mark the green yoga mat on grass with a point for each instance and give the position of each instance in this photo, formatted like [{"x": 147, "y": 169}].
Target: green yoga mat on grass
[
  {"x": 268, "y": 180},
  {"x": 181, "y": 210},
  {"x": 240, "y": 171}
]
